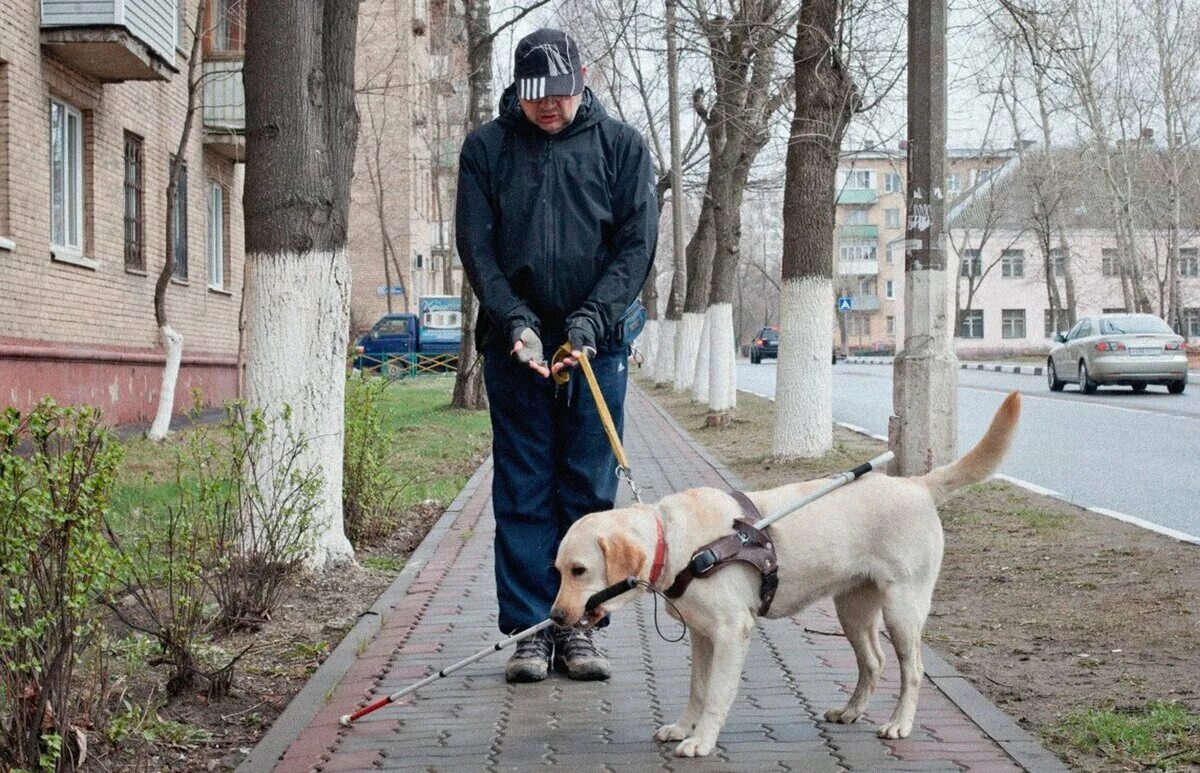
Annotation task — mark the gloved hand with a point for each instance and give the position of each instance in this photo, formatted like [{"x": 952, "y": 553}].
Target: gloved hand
[
  {"x": 582, "y": 336},
  {"x": 529, "y": 351}
]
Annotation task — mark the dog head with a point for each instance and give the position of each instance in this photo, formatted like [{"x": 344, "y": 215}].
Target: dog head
[{"x": 598, "y": 550}]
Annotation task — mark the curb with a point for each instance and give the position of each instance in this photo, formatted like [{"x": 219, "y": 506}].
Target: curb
[
  {"x": 991, "y": 367},
  {"x": 1016, "y": 742},
  {"x": 305, "y": 704}
]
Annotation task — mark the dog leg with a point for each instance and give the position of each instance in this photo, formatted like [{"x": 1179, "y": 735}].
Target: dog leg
[
  {"x": 728, "y": 656},
  {"x": 701, "y": 663},
  {"x": 858, "y": 611},
  {"x": 904, "y": 612}
]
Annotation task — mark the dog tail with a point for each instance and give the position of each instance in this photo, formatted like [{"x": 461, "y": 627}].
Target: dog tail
[{"x": 982, "y": 460}]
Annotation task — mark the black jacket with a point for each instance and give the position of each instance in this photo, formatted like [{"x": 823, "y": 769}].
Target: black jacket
[{"x": 557, "y": 230}]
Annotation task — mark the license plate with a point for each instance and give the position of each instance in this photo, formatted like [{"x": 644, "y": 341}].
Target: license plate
[{"x": 1145, "y": 351}]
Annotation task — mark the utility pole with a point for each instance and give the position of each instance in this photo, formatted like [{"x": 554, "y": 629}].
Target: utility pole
[{"x": 923, "y": 428}]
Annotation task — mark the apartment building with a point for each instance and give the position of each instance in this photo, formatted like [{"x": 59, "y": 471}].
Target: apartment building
[
  {"x": 411, "y": 84},
  {"x": 995, "y": 240},
  {"x": 92, "y": 104},
  {"x": 869, "y": 239}
]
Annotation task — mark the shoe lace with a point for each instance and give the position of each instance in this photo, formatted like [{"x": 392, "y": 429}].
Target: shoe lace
[
  {"x": 580, "y": 643},
  {"x": 537, "y": 646}
]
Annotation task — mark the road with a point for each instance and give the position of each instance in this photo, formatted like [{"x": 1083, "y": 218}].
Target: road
[{"x": 1135, "y": 454}]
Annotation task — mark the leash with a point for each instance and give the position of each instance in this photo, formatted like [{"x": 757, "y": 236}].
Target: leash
[{"x": 624, "y": 472}]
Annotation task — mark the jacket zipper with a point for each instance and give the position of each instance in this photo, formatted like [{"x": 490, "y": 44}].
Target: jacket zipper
[{"x": 552, "y": 233}]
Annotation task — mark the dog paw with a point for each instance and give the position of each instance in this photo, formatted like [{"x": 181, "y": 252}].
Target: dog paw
[
  {"x": 694, "y": 747},
  {"x": 674, "y": 732},
  {"x": 894, "y": 730},
  {"x": 843, "y": 716}
]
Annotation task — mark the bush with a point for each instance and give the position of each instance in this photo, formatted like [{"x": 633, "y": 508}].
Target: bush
[
  {"x": 370, "y": 490},
  {"x": 57, "y": 469}
]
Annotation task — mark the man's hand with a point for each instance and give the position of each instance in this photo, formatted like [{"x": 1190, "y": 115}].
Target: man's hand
[
  {"x": 582, "y": 341},
  {"x": 528, "y": 349}
]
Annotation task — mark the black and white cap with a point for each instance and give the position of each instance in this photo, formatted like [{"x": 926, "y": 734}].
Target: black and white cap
[{"x": 547, "y": 64}]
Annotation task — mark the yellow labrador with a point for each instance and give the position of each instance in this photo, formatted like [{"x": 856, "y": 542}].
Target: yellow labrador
[{"x": 874, "y": 545}]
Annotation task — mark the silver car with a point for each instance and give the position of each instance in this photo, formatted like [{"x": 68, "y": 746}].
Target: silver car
[{"x": 1130, "y": 349}]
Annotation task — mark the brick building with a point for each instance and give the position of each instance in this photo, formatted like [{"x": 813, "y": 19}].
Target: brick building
[
  {"x": 92, "y": 104},
  {"x": 869, "y": 238}
]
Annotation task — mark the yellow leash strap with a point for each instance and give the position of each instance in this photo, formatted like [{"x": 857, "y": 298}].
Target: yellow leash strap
[{"x": 610, "y": 429}]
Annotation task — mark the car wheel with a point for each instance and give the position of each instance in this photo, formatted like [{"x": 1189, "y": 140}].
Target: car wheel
[
  {"x": 1139, "y": 388},
  {"x": 1086, "y": 385},
  {"x": 1052, "y": 377},
  {"x": 753, "y": 358},
  {"x": 1177, "y": 387}
]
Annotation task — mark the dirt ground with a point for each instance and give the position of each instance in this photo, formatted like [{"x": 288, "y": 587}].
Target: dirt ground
[{"x": 1048, "y": 608}]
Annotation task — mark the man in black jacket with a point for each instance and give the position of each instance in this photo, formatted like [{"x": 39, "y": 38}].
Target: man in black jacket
[{"x": 556, "y": 227}]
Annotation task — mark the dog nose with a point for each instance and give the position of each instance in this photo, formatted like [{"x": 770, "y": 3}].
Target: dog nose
[{"x": 559, "y": 616}]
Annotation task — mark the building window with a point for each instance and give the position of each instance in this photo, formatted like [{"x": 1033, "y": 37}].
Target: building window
[
  {"x": 859, "y": 180},
  {"x": 1189, "y": 261},
  {"x": 972, "y": 263},
  {"x": 1191, "y": 322},
  {"x": 889, "y": 289},
  {"x": 857, "y": 249},
  {"x": 228, "y": 17},
  {"x": 66, "y": 177},
  {"x": 216, "y": 236},
  {"x": 891, "y": 182},
  {"x": 135, "y": 255},
  {"x": 953, "y": 184},
  {"x": 1012, "y": 263},
  {"x": 1012, "y": 323},
  {"x": 892, "y": 217},
  {"x": 1109, "y": 263},
  {"x": 858, "y": 324},
  {"x": 179, "y": 215},
  {"x": 970, "y": 323},
  {"x": 857, "y": 216},
  {"x": 981, "y": 176},
  {"x": 1059, "y": 261},
  {"x": 1055, "y": 323},
  {"x": 891, "y": 325}
]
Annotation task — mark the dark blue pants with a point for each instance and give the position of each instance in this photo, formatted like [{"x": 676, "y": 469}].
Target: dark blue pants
[{"x": 553, "y": 465}]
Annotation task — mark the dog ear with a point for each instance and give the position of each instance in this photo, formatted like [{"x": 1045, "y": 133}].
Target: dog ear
[{"x": 622, "y": 558}]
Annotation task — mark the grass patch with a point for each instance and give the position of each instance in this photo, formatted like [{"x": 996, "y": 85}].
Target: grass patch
[
  {"x": 384, "y": 563},
  {"x": 1042, "y": 520},
  {"x": 1159, "y": 736}
]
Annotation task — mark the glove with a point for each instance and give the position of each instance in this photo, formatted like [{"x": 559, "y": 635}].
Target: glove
[
  {"x": 531, "y": 348},
  {"x": 582, "y": 336}
]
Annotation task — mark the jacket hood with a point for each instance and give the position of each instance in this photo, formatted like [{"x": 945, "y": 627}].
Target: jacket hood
[{"x": 590, "y": 113}]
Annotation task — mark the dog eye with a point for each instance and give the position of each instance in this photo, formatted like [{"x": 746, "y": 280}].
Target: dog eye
[{"x": 578, "y": 571}]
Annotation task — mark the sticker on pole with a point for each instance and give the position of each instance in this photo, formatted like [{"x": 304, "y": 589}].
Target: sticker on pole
[{"x": 845, "y": 303}]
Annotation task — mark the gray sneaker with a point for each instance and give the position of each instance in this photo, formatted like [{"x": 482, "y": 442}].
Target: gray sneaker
[
  {"x": 575, "y": 654},
  {"x": 531, "y": 661}
]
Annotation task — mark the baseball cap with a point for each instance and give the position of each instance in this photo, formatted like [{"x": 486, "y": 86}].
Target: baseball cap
[{"x": 547, "y": 64}]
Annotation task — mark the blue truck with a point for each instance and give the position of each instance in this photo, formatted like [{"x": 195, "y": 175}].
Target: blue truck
[{"x": 407, "y": 343}]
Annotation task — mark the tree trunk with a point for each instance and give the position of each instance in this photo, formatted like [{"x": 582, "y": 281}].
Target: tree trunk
[
  {"x": 699, "y": 278},
  {"x": 172, "y": 340},
  {"x": 825, "y": 101},
  {"x": 469, "y": 392},
  {"x": 301, "y": 133}
]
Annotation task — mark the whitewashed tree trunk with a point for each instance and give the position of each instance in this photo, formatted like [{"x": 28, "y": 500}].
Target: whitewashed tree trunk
[
  {"x": 297, "y": 315},
  {"x": 703, "y": 357},
  {"x": 664, "y": 368},
  {"x": 722, "y": 360},
  {"x": 687, "y": 347},
  {"x": 173, "y": 343},
  {"x": 803, "y": 396},
  {"x": 647, "y": 344}
]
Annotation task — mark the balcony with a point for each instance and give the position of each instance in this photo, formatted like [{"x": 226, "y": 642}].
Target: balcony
[
  {"x": 225, "y": 109},
  {"x": 864, "y": 302},
  {"x": 112, "y": 40},
  {"x": 857, "y": 196},
  {"x": 858, "y": 231},
  {"x": 858, "y": 267}
]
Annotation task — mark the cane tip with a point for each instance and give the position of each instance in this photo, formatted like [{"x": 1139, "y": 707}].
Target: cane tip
[{"x": 345, "y": 720}]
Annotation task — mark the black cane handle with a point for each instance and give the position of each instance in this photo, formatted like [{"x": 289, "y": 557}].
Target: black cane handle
[{"x": 609, "y": 593}]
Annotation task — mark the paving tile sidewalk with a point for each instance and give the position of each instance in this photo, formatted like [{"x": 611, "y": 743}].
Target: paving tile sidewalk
[{"x": 442, "y": 608}]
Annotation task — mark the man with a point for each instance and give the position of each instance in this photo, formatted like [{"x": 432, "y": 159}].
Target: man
[{"x": 556, "y": 227}]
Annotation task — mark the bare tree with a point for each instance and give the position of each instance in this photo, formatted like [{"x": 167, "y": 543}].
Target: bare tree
[{"x": 301, "y": 135}]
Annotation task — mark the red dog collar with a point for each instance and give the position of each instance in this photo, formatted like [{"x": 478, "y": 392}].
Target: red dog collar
[{"x": 660, "y": 553}]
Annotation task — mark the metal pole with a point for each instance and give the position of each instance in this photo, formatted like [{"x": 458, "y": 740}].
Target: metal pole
[
  {"x": 837, "y": 481},
  {"x": 922, "y": 430}
]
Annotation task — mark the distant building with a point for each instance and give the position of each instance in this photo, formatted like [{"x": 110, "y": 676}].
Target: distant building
[
  {"x": 868, "y": 260},
  {"x": 997, "y": 239}
]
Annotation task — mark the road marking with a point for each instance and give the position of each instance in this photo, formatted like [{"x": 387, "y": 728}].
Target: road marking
[{"x": 1166, "y": 531}]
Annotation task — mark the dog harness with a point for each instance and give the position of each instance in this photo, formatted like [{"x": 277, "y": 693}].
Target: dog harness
[{"x": 746, "y": 544}]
